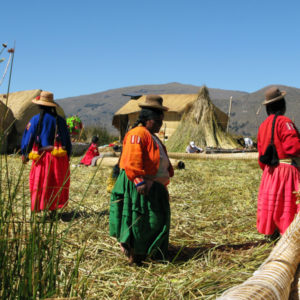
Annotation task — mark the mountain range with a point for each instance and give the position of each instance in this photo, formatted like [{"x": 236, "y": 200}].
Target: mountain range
[{"x": 98, "y": 109}]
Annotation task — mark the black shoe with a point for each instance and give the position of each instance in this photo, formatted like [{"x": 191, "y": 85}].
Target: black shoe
[{"x": 274, "y": 236}]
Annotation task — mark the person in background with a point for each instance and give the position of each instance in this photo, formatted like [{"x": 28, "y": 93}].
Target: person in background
[
  {"x": 139, "y": 208},
  {"x": 192, "y": 148},
  {"x": 248, "y": 143},
  {"x": 75, "y": 127},
  {"x": 47, "y": 143},
  {"x": 92, "y": 155},
  {"x": 276, "y": 207}
]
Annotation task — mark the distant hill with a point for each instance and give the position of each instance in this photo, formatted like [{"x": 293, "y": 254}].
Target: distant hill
[
  {"x": 98, "y": 109},
  {"x": 244, "y": 119}
]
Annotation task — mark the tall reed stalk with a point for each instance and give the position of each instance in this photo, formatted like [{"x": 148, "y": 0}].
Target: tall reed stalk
[{"x": 30, "y": 245}]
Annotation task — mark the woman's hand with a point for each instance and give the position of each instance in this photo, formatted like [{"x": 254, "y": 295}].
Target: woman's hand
[
  {"x": 142, "y": 189},
  {"x": 145, "y": 188}
]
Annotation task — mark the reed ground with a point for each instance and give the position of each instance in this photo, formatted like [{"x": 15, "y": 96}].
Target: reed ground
[{"x": 213, "y": 239}]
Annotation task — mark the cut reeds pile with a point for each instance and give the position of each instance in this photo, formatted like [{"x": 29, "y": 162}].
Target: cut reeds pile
[
  {"x": 214, "y": 244},
  {"x": 199, "y": 124}
]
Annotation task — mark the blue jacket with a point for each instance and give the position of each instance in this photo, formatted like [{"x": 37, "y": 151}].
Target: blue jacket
[{"x": 47, "y": 133}]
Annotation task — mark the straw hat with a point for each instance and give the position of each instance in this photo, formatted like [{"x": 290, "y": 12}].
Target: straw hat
[
  {"x": 45, "y": 98},
  {"x": 273, "y": 94},
  {"x": 153, "y": 101}
]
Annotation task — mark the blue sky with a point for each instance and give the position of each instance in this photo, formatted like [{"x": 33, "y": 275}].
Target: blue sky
[{"x": 76, "y": 47}]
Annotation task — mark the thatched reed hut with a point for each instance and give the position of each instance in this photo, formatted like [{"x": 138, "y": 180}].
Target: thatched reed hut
[
  {"x": 6, "y": 117},
  {"x": 177, "y": 104},
  {"x": 6, "y": 124},
  {"x": 22, "y": 108},
  {"x": 201, "y": 123}
]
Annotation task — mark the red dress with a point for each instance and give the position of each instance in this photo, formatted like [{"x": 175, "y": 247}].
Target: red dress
[
  {"x": 49, "y": 182},
  {"x": 90, "y": 154},
  {"x": 276, "y": 207}
]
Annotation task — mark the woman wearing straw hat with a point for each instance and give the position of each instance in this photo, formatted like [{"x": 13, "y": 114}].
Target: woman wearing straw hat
[
  {"x": 139, "y": 209},
  {"x": 277, "y": 206},
  {"x": 47, "y": 142}
]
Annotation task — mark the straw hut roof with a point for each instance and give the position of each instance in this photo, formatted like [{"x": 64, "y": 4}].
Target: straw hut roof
[
  {"x": 176, "y": 103},
  {"x": 20, "y": 103}
]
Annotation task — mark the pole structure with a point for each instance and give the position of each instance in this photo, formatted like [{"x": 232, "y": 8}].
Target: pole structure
[{"x": 229, "y": 112}]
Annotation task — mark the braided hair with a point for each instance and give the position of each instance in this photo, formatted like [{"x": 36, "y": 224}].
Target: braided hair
[
  {"x": 36, "y": 137},
  {"x": 45, "y": 109},
  {"x": 147, "y": 114}
]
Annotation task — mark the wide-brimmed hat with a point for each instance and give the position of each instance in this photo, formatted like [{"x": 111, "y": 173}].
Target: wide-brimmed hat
[
  {"x": 153, "y": 101},
  {"x": 45, "y": 98},
  {"x": 273, "y": 94}
]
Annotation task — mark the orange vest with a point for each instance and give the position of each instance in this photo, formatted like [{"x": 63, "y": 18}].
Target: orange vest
[{"x": 140, "y": 155}]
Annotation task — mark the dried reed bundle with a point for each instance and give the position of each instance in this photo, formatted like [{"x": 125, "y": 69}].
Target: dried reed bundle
[
  {"x": 108, "y": 161},
  {"x": 199, "y": 123},
  {"x": 245, "y": 155}
]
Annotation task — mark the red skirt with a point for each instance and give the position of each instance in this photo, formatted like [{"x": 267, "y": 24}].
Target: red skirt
[
  {"x": 49, "y": 182},
  {"x": 276, "y": 207}
]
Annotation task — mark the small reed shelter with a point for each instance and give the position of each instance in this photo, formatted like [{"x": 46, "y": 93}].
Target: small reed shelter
[
  {"x": 202, "y": 124},
  {"x": 125, "y": 117},
  {"x": 6, "y": 124}
]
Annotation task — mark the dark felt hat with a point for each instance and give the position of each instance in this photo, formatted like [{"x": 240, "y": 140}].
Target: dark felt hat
[
  {"x": 153, "y": 101},
  {"x": 273, "y": 94}
]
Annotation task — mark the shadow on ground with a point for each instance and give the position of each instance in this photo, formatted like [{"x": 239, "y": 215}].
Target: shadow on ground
[
  {"x": 185, "y": 253},
  {"x": 72, "y": 215}
]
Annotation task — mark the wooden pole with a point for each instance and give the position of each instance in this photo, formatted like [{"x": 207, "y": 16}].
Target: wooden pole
[{"x": 229, "y": 112}]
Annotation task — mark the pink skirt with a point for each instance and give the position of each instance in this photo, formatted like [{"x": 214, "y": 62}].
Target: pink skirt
[
  {"x": 49, "y": 182},
  {"x": 276, "y": 207}
]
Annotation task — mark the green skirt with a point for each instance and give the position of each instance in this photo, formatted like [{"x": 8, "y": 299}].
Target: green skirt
[{"x": 142, "y": 222}]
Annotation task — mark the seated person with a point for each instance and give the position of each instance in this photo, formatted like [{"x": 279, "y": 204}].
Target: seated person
[
  {"x": 92, "y": 154},
  {"x": 248, "y": 142},
  {"x": 192, "y": 148}
]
